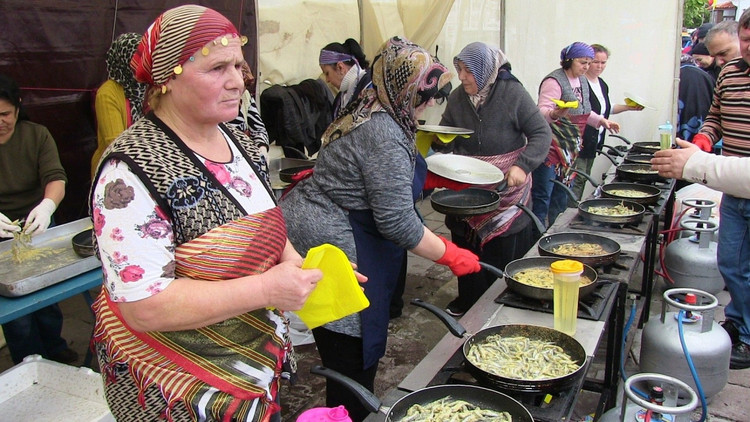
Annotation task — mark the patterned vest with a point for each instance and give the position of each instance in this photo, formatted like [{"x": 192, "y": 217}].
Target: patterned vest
[
  {"x": 193, "y": 198},
  {"x": 584, "y": 107}
]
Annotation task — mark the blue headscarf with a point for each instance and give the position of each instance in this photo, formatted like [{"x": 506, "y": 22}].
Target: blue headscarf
[{"x": 576, "y": 50}]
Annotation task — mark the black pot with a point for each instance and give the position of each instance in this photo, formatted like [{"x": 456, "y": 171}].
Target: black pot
[
  {"x": 478, "y": 396},
  {"x": 569, "y": 345},
  {"x": 83, "y": 243},
  {"x": 542, "y": 262},
  {"x": 652, "y": 192},
  {"x": 636, "y": 218},
  {"x": 547, "y": 244}
]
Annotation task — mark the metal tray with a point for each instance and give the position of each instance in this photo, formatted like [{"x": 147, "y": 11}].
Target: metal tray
[{"x": 59, "y": 264}]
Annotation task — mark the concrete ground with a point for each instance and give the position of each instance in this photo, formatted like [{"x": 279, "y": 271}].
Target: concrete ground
[{"x": 411, "y": 336}]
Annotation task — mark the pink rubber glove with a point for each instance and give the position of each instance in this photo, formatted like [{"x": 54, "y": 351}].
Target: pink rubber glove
[
  {"x": 460, "y": 261},
  {"x": 433, "y": 181},
  {"x": 703, "y": 142}
]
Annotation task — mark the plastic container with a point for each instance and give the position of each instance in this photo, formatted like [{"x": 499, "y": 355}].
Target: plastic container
[
  {"x": 38, "y": 389},
  {"x": 567, "y": 278},
  {"x": 337, "y": 294},
  {"x": 325, "y": 414},
  {"x": 665, "y": 136}
]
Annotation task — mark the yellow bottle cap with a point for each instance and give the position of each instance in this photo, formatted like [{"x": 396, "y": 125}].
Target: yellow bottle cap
[{"x": 566, "y": 266}]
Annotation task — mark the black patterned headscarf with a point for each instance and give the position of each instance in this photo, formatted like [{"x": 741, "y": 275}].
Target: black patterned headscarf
[
  {"x": 118, "y": 69},
  {"x": 404, "y": 76}
]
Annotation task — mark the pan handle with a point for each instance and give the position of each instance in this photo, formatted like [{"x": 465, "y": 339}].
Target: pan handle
[
  {"x": 568, "y": 190},
  {"x": 493, "y": 269},
  {"x": 587, "y": 176},
  {"x": 365, "y": 396},
  {"x": 624, "y": 139},
  {"x": 455, "y": 328},
  {"x": 611, "y": 149},
  {"x": 538, "y": 223},
  {"x": 609, "y": 157}
]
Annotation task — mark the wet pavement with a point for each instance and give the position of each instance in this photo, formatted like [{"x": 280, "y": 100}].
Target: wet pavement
[{"x": 412, "y": 335}]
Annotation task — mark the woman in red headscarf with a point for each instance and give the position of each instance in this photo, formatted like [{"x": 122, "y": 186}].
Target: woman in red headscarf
[{"x": 196, "y": 262}]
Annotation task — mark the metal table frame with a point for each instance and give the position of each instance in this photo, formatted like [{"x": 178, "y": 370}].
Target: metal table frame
[{"x": 15, "y": 307}]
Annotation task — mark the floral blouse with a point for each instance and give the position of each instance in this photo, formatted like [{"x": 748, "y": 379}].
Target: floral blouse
[{"x": 135, "y": 236}]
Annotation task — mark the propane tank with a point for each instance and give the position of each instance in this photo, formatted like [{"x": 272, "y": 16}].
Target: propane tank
[
  {"x": 691, "y": 261},
  {"x": 707, "y": 343},
  {"x": 662, "y": 408},
  {"x": 702, "y": 210}
]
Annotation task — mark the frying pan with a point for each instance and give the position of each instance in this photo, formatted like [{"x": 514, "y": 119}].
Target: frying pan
[
  {"x": 653, "y": 193},
  {"x": 636, "y": 218},
  {"x": 635, "y": 173},
  {"x": 541, "y": 262},
  {"x": 287, "y": 174},
  {"x": 547, "y": 244},
  {"x": 569, "y": 345},
  {"x": 83, "y": 244},
  {"x": 469, "y": 201},
  {"x": 638, "y": 158},
  {"x": 479, "y": 396},
  {"x": 645, "y": 147}
]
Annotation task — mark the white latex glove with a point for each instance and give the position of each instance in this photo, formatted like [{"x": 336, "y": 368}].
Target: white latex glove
[
  {"x": 39, "y": 218},
  {"x": 7, "y": 228}
]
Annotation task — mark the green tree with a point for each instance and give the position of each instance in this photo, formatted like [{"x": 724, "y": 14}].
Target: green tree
[{"x": 695, "y": 13}]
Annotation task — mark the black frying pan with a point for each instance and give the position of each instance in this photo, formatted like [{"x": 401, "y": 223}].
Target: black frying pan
[
  {"x": 467, "y": 202},
  {"x": 542, "y": 262},
  {"x": 638, "y": 173},
  {"x": 638, "y": 158},
  {"x": 638, "y": 209},
  {"x": 478, "y": 396},
  {"x": 548, "y": 243},
  {"x": 645, "y": 147},
  {"x": 569, "y": 345},
  {"x": 651, "y": 193},
  {"x": 83, "y": 244}
]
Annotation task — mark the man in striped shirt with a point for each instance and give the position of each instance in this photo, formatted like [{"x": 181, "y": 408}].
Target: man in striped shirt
[{"x": 729, "y": 119}]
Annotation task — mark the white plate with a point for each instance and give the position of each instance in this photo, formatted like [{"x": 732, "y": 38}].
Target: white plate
[
  {"x": 445, "y": 129},
  {"x": 638, "y": 99},
  {"x": 464, "y": 169}
]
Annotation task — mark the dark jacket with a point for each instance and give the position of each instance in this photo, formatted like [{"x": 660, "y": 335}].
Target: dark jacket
[
  {"x": 592, "y": 139},
  {"x": 297, "y": 115}
]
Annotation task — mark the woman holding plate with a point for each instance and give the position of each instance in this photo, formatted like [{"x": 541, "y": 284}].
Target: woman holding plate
[
  {"x": 509, "y": 133},
  {"x": 564, "y": 102}
]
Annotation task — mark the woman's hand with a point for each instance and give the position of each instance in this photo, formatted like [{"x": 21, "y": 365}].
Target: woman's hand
[
  {"x": 613, "y": 127},
  {"x": 286, "y": 286},
  {"x": 670, "y": 163},
  {"x": 515, "y": 176},
  {"x": 559, "y": 113}
]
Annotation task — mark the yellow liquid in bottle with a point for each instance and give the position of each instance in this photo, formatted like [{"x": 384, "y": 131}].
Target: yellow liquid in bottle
[
  {"x": 665, "y": 141},
  {"x": 566, "y": 302}
]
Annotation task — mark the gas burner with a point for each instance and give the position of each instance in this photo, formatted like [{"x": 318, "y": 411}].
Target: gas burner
[
  {"x": 544, "y": 407},
  {"x": 591, "y": 307}
]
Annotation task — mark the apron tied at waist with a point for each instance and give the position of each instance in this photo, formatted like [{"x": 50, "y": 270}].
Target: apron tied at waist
[{"x": 242, "y": 357}]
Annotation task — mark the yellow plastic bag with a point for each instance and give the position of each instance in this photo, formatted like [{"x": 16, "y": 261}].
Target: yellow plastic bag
[
  {"x": 337, "y": 294},
  {"x": 425, "y": 140}
]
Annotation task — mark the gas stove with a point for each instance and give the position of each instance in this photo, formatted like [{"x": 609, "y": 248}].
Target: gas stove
[
  {"x": 544, "y": 407},
  {"x": 591, "y": 307}
]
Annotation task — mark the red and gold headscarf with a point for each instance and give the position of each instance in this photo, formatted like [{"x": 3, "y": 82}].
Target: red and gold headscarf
[
  {"x": 404, "y": 76},
  {"x": 173, "y": 38}
]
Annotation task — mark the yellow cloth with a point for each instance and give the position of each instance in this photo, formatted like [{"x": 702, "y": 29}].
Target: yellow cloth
[
  {"x": 111, "y": 117},
  {"x": 425, "y": 140}
]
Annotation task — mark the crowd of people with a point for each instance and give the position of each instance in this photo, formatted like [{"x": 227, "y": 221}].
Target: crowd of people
[{"x": 200, "y": 259}]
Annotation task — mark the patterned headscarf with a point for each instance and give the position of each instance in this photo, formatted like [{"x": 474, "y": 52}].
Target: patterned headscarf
[
  {"x": 173, "y": 38},
  {"x": 118, "y": 69},
  {"x": 576, "y": 50},
  {"x": 404, "y": 76}
]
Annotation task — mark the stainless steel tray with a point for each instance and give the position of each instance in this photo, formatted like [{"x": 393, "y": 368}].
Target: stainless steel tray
[{"x": 59, "y": 263}]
